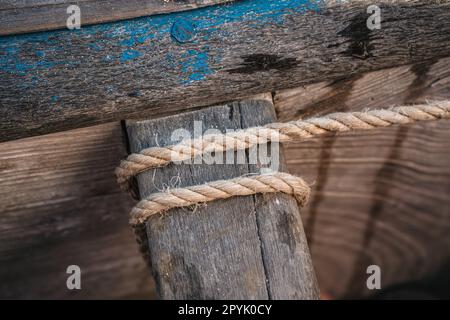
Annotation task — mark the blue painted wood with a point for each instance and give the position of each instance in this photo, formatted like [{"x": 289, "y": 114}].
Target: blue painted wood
[
  {"x": 26, "y": 56},
  {"x": 161, "y": 64},
  {"x": 183, "y": 30}
]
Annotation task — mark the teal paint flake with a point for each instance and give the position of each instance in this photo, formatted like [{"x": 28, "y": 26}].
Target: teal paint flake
[{"x": 128, "y": 40}]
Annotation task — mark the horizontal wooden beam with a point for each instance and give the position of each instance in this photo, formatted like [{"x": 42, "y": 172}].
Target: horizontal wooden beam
[
  {"x": 157, "y": 65},
  {"x": 19, "y": 16}
]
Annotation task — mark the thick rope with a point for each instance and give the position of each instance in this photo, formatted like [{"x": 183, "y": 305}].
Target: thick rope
[
  {"x": 221, "y": 189},
  {"x": 276, "y": 132}
]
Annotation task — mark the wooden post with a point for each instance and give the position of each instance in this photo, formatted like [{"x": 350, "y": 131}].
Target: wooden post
[{"x": 251, "y": 247}]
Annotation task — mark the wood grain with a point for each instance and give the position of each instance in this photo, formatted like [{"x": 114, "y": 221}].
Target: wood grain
[
  {"x": 249, "y": 247},
  {"x": 31, "y": 16},
  {"x": 53, "y": 81},
  {"x": 379, "y": 197},
  {"x": 46, "y": 184},
  {"x": 417, "y": 83},
  {"x": 60, "y": 205}
]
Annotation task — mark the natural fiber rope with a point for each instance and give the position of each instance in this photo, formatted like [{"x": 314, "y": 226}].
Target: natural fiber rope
[
  {"x": 276, "y": 132},
  {"x": 243, "y": 139},
  {"x": 221, "y": 189}
]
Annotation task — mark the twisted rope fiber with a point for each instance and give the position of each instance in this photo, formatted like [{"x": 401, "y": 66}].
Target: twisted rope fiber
[
  {"x": 221, "y": 189},
  {"x": 275, "y": 132}
]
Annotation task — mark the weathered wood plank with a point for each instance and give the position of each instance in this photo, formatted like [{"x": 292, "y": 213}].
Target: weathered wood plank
[
  {"x": 60, "y": 205},
  {"x": 32, "y": 268},
  {"x": 31, "y": 16},
  {"x": 239, "y": 248},
  {"x": 64, "y": 79},
  {"x": 379, "y": 197},
  {"x": 403, "y": 85}
]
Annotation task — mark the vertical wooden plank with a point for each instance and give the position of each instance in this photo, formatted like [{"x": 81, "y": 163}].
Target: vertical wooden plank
[
  {"x": 284, "y": 246},
  {"x": 239, "y": 248}
]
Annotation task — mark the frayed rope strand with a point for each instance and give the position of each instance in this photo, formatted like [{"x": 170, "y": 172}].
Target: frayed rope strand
[
  {"x": 276, "y": 132},
  {"x": 221, "y": 189}
]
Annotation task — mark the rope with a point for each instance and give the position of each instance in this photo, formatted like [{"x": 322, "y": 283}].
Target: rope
[
  {"x": 244, "y": 139},
  {"x": 221, "y": 189},
  {"x": 275, "y": 132}
]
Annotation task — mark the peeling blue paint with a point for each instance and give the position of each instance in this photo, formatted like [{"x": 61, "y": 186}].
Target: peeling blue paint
[
  {"x": 128, "y": 41},
  {"x": 128, "y": 55},
  {"x": 40, "y": 54},
  {"x": 195, "y": 66}
]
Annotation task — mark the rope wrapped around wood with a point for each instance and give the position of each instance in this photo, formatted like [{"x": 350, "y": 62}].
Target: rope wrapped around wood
[
  {"x": 246, "y": 138},
  {"x": 221, "y": 189},
  {"x": 276, "y": 132}
]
